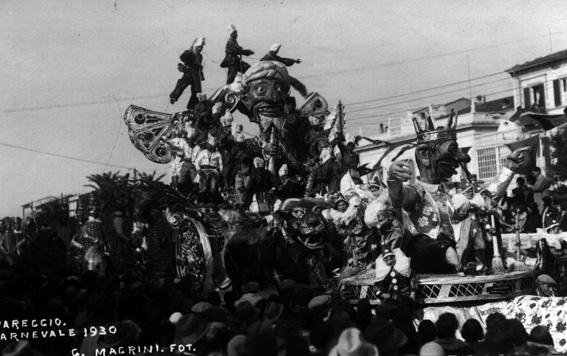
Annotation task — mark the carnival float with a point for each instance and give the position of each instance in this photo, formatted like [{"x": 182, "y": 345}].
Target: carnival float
[{"x": 409, "y": 240}]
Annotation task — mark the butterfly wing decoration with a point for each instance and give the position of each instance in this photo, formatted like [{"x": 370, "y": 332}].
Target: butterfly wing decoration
[{"x": 149, "y": 131}]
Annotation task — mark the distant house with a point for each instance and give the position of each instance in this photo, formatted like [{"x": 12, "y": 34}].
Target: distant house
[
  {"x": 540, "y": 85},
  {"x": 30, "y": 209}
]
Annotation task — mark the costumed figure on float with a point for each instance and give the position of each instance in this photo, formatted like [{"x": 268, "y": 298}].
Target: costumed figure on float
[{"x": 428, "y": 200}]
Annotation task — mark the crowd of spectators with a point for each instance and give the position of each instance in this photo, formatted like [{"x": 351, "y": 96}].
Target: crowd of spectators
[{"x": 292, "y": 319}]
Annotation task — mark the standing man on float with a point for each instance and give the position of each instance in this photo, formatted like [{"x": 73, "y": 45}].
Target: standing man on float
[
  {"x": 192, "y": 69},
  {"x": 233, "y": 56}
]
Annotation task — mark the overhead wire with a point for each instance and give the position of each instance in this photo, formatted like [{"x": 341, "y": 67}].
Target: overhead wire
[
  {"x": 425, "y": 90},
  {"x": 385, "y": 115},
  {"x": 347, "y": 120},
  {"x": 79, "y": 159},
  {"x": 424, "y": 97}
]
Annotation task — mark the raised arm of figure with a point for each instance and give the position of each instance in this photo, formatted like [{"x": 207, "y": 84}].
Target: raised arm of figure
[
  {"x": 517, "y": 162},
  {"x": 402, "y": 196}
]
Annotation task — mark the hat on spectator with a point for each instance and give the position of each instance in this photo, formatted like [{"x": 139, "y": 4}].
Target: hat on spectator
[
  {"x": 545, "y": 279},
  {"x": 319, "y": 301},
  {"x": 190, "y": 328},
  {"x": 431, "y": 349},
  {"x": 245, "y": 312},
  {"x": 251, "y": 298},
  {"x": 385, "y": 336},
  {"x": 287, "y": 284},
  {"x": 273, "y": 311},
  {"x": 351, "y": 343},
  {"x": 260, "y": 341},
  {"x": 233, "y": 343},
  {"x": 201, "y": 307}
]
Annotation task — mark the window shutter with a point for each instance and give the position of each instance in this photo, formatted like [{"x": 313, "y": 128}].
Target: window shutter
[
  {"x": 527, "y": 101},
  {"x": 557, "y": 92}
]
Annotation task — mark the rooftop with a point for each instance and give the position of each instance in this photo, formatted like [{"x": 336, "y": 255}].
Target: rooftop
[{"x": 538, "y": 62}]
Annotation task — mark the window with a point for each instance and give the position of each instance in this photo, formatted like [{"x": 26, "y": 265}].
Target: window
[
  {"x": 491, "y": 161},
  {"x": 534, "y": 98},
  {"x": 560, "y": 91},
  {"x": 487, "y": 165}
]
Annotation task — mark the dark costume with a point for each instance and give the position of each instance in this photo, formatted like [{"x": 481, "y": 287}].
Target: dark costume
[
  {"x": 233, "y": 59},
  {"x": 192, "y": 70}
]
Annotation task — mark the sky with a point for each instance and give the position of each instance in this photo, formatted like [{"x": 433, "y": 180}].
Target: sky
[{"x": 70, "y": 68}]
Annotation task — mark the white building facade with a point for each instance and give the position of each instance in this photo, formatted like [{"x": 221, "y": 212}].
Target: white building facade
[{"x": 539, "y": 86}]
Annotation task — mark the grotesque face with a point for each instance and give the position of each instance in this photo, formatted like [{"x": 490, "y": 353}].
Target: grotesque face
[
  {"x": 439, "y": 160},
  {"x": 309, "y": 227},
  {"x": 265, "y": 95}
]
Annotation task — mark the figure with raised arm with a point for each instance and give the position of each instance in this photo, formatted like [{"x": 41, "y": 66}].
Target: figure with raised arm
[
  {"x": 428, "y": 200},
  {"x": 233, "y": 56}
]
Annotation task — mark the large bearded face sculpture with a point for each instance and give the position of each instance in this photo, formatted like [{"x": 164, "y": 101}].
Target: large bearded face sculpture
[
  {"x": 266, "y": 92},
  {"x": 437, "y": 152}
]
